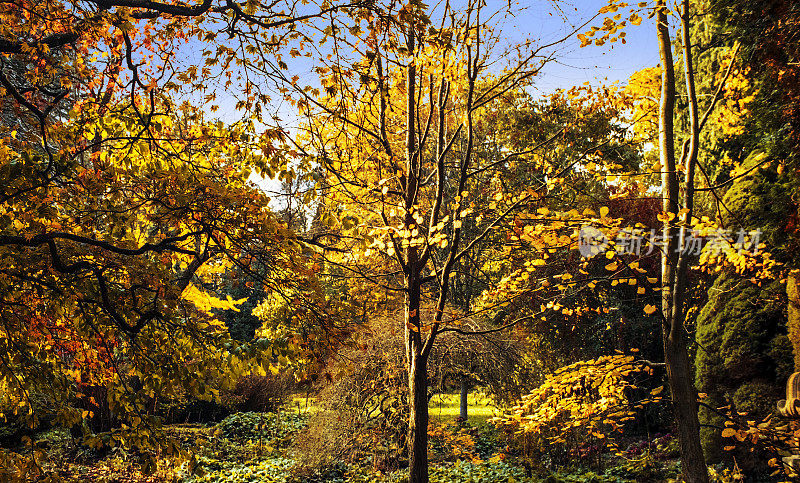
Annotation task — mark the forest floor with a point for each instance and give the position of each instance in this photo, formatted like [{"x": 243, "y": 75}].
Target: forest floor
[{"x": 257, "y": 448}]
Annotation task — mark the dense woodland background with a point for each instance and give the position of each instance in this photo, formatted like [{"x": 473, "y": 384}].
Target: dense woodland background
[{"x": 413, "y": 301}]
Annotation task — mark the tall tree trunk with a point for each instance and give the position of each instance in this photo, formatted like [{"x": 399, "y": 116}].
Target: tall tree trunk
[
  {"x": 417, "y": 364},
  {"x": 673, "y": 266},
  {"x": 416, "y": 358},
  {"x": 463, "y": 414},
  {"x": 418, "y": 428}
]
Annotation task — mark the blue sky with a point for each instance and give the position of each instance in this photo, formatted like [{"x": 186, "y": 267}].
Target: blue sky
[
  {"x": 549, "y": 20},
  {"x": 541, "y": 21}
]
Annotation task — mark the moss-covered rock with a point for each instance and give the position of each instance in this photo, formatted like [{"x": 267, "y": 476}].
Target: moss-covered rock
[{"x": 741, "y": 359}]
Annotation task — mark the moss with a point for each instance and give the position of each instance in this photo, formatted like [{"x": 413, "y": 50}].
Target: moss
[
  {"x": 742, "y": 351},
  {"x": 757, "y": 397},
  {"x": 780, "y": 351},
  {"x": 710, "y": 436},
  {"x": 793, "y": 294}
]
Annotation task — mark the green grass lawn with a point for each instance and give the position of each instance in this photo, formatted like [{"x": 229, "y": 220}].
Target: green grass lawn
[
  {"x": 445, "y": 408},
  {"x": 301, "y": 405}
]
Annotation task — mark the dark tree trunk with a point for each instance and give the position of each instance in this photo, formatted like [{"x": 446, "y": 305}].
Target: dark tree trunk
[
  {"x": 463, "y": 414},
  {"x": 684, "y": 406},
  {"x": 417, "y": 364},
  {"x": 418, "y": 418}
]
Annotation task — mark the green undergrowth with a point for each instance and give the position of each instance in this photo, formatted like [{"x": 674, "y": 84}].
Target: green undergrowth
[
  {"x": 258, "y": 448},
  {"x": 246, "y": 447}
]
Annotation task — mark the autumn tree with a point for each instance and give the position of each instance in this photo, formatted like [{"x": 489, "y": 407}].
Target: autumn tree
[
  {"x": 570, "y": 304},
  {"x": 681, "y": 216},
  {"x": 679, "y": 208},
  {"x": 394, "y": 127},
  {"x": 119, "y": 204}
]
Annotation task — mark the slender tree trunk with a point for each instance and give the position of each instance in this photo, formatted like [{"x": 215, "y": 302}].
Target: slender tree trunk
[
  {"x": 416, "y": 359},
  {"x": 673, "y": 273},
  {"x": 463, "y": 414},
  {"x": 684, "y": 406},
  {"x": 417, "y": 364}
]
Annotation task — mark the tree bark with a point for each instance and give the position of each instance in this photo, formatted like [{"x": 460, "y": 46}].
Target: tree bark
[
  {"x": 463, "y": 413},
  {"x": 673, "y": 266},
  {"x": 418, "y": 429},
  {"x": 417, "y": 383},
  {"x": 684, "y": 406}
]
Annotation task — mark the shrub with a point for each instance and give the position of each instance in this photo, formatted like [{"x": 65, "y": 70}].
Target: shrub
[
  {"x": 448, "y": 442},
  {"x": 244, "y": 448},
  {"x": 192, "y": 411},
  {"x": 742, "y": 355},
  {"x": 263, "y": 470},
  {"x": 251, "y": 394},
  {"x": 574, "y": 413},
  {"x": 485, "y": 472},
  {"x": 363, "y": 407},
  {"x": 260, "y": 393},
  {"x": 273, "y": 428}
]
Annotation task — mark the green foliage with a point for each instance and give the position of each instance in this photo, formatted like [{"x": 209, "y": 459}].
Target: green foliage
[
  {"x": 743, "y": 355},
  {"x": 460, "y": 471},
  {"x": 267, "y": 470},
  {"x": 756, "y": 397},
  {"x": 244, "y": 448},
  {"x": 272, "y": 428},
  {"x": 489, "y": 472},
  {"x": 242, "y": 324},
  {"x": 586, "y": 477}
]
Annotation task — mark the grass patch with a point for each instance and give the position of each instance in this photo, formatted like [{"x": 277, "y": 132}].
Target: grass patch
[
  {"x": 445, "y": 408},
  {"x": 300, "y": 404}
]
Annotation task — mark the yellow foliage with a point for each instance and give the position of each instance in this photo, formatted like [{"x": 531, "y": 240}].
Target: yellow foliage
[
  {"x": 592, "y": 397},
  {"x": 207, "y": 302}
]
